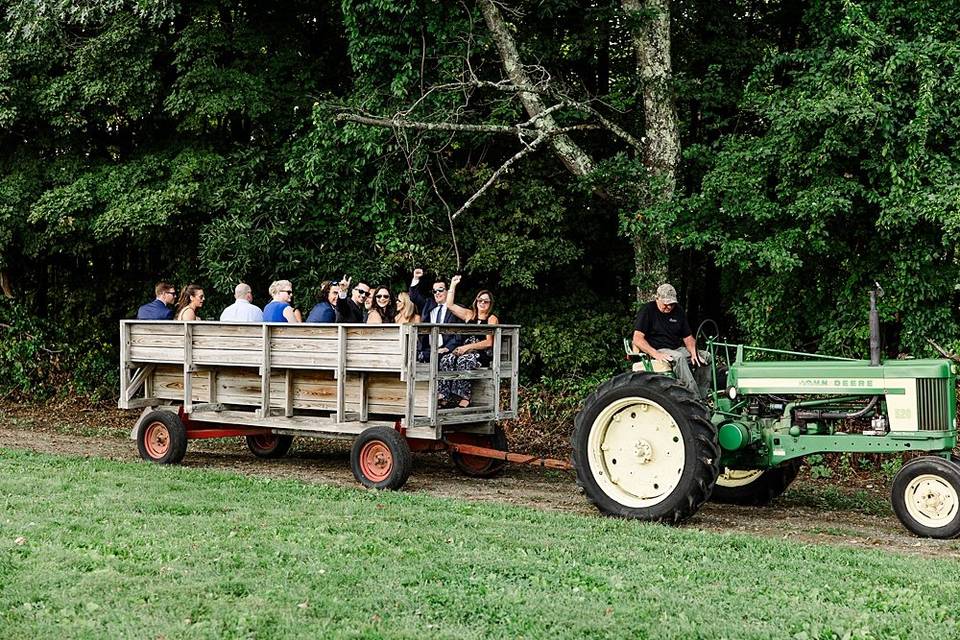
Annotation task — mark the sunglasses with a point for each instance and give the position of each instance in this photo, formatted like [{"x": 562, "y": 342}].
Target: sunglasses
[
  {"x": 363, "y": 294},
  {"x": 286, "y": 291},
  {"x": 483, "y": 300},
  {"x": 439, "y": 290},
  {"x": 381, "y": 296}
]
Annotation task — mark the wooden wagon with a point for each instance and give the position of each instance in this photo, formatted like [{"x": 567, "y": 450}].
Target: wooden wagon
[{"x": 273, "y": 381}]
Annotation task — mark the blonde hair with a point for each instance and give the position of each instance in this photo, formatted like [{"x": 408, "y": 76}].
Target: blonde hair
[
  {"x": 277, "y": 285},
  {"x": 409, "y": 309}
]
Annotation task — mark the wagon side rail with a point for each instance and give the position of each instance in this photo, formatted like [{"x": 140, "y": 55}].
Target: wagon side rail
[
  {"x": 493, "y": 401},
  {"x": 293, "y": 377}
]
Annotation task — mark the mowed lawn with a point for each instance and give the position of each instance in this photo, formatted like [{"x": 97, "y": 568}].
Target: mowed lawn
[{"x": 100, "y": 549}]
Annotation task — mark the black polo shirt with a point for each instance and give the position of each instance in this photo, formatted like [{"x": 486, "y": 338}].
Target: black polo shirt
[{"x": 662, "y": 330}]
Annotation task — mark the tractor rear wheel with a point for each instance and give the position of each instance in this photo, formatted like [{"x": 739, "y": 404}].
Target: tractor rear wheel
[
  {"x": 475, "y": 466},
  {"x": 926, "y": 497},
  {"x": 270, "y": 445},
  {"x": 644, "y": 448},
  {"x": 162, "y": 438},
  {"x": 380, "y": 458},
  {"x": 755, "y": 487}
]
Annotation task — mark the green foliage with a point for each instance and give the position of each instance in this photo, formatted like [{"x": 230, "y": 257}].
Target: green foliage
[
  {"x": 83, "y": 542},
  {"x": 198, "y": 142},
  {"x": 818, "y": 469},
  {"x": 844, "y": 172},
  {"x": 41, "y": 360}
]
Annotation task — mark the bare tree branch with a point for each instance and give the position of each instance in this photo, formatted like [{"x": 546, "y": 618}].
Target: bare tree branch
[
  {"x": 496, "y": 174},
  {"x": 398, "y": 123},
  {"x": 573, "y": 157}
]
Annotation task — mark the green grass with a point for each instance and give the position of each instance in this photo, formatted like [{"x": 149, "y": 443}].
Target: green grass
[
  {"x": 835, "y": 498},
  {"x": 118, "y": 549}
]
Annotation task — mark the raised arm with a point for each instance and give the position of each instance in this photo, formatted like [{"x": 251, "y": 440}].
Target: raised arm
[
  {"x": 414, "y": 292},
  {"x": 463, "y": 313}
]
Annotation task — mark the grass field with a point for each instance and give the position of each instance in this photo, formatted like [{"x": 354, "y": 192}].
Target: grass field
[{"x": 100, "y": 549}]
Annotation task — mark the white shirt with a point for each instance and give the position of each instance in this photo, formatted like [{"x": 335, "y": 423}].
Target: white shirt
[
  {"x": 438, "y": 313},
  {"x": 242, "y": 311}
]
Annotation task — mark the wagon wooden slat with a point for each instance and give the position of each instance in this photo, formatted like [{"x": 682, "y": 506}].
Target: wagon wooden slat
[{"x": 270, "y": 379}]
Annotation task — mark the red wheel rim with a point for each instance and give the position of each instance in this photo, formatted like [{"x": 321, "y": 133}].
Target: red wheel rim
[
  {"x": 156, "y": 440},
  {"x": 376, "y": 461},
  {"x": 475, "y": 463},
  {"x": 265, "y": 441}
]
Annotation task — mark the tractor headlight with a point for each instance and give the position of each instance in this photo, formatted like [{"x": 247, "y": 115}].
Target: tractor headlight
[{"x": 732, "y": 393}]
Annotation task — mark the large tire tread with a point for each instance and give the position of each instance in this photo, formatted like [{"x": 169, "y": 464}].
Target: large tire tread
[{"x": 705, "y": 470}]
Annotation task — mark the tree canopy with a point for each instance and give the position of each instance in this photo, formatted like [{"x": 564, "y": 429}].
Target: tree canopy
[{"x": 219, "y": 141}]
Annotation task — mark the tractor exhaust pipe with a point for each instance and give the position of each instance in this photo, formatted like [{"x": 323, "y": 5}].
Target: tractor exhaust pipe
[{"x": 875, "y": 293}]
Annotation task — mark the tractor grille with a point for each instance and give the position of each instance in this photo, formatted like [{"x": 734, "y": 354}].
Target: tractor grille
[{"x": 933, "y": 404}]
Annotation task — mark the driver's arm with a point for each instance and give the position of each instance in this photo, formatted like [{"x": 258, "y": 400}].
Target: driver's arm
[
  {"x": 640, "y": 342},
  {"x": 691, "y": 344}
]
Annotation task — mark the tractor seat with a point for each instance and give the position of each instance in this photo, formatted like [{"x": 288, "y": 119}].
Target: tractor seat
[{"x": 643, "y": 362}]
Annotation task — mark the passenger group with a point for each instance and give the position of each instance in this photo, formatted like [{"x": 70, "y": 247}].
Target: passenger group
[{"x": 339, "y": 303}]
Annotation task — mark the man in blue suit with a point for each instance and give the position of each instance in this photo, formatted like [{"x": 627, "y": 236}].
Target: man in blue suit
[
  {"x": 161, "y": 307},
  {"x": 435, "y": 311}
]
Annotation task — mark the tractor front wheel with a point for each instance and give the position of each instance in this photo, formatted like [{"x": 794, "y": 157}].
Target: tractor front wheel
[
  {"x": 381, "y": 458},
  {"x": 644, "y": 448},
  {"x": 269, "y": 445},
  {"x": 926, "y": 497},
  {"x": 162, "y": 438},
  {"x": 755, "y": 487}
]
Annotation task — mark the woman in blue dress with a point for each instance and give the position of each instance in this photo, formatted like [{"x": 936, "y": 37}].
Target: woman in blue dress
[{"x": 281, "y": 308}]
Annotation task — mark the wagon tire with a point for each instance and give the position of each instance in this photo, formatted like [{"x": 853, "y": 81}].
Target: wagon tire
[
  {"x": 162, "y": 438},
  {"x": 381, "y": 459},
  {"x": 475, "y": 466},
  {"x": 270, "y": 445},
  {"x": 926, "y": 497},
  {"x": 754, "y": 488},
  {"x": 644, "y": 448}
]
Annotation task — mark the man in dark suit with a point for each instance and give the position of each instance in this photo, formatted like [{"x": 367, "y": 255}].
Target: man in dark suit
[
  {"x": 434, "y": 310},
  {"x": 351, "y": 310}
]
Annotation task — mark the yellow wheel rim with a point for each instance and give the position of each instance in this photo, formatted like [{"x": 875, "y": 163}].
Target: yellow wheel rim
[{"x": 636, "y": 452}]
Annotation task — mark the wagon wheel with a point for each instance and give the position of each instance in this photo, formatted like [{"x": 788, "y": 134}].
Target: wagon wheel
[
  {"x": 381, "y": 458},
  {"x": 926, "y": 497},
  {"x": 269, "y": 445},
  {"x": 754, "y": 487},
  {"x": 162, "y": 438},
  {"x": 644, "y": 447},
  {"x": 477, "y": 466}
]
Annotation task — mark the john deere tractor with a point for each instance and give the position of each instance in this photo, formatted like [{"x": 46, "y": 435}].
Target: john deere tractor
[{"x": 645, "y": 447}]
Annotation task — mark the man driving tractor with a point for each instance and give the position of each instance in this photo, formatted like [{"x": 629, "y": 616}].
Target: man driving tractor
[{"x": 662, "y": 332}]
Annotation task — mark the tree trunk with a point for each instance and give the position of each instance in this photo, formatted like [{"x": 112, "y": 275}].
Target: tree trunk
[
  {"x": 649, "y": 22},
  {"x": 5, "y": 284},
  {"x": 575, "y": 159}
]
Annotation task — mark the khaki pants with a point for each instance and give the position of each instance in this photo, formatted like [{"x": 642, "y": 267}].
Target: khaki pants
[{"x": 697, "y": 379}]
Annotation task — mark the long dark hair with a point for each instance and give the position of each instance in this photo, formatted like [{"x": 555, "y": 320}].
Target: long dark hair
[
  {"x": 188, "y": 292},
  {"x": 473, "y": 307},
  {"x": 389, "y": 313},
  {"x": 325, "y": 290}
]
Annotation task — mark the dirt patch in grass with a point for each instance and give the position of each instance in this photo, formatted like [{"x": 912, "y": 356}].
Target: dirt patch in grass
[{"x": 853, "y": 512}]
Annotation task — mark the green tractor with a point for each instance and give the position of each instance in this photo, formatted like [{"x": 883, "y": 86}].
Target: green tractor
[{"x": 645, "y": 447}]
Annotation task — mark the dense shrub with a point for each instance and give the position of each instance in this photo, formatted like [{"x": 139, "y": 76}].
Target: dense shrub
[{"x": 40, "y": 359}]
